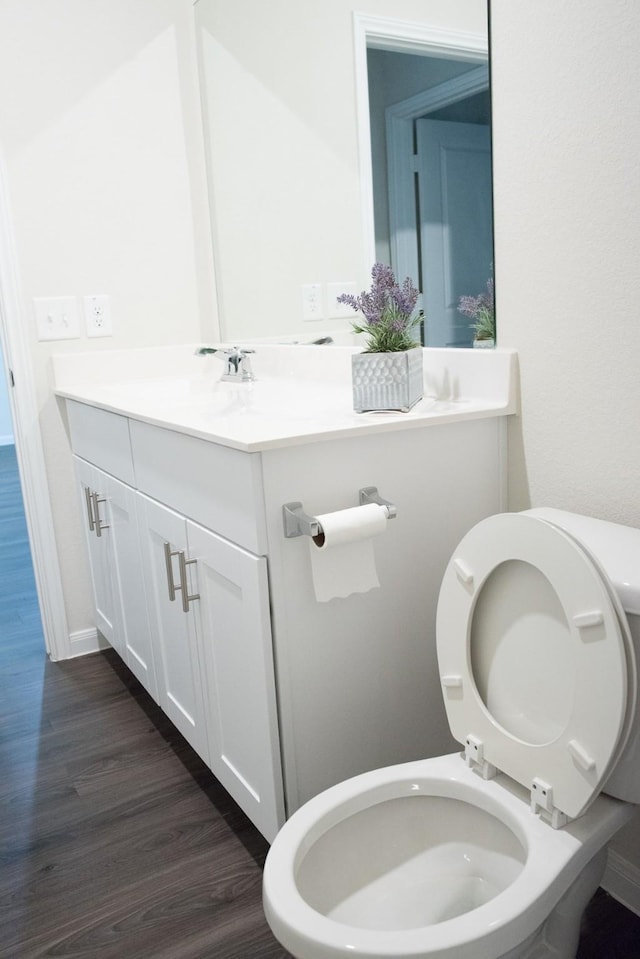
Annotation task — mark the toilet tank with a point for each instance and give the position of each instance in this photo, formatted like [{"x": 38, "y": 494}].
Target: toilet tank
[{"x": 616, "y": 549}]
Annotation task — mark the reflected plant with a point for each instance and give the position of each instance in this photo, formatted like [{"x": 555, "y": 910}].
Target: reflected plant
[
  {"x": 482, "y": 311},
  {"x": 389, "y": 312}
]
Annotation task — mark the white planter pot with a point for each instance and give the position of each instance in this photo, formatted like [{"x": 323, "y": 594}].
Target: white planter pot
[{"x": 387, "y": 381}]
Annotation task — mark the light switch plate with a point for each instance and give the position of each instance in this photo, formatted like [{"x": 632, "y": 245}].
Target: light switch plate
[{"x": 57, "y": 317}]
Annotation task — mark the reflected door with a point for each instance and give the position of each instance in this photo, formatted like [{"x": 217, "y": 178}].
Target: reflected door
[{"x": 456, "y": 234}]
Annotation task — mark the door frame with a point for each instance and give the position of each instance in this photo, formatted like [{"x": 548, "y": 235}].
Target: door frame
[
  {"x": 400, "y": 36},
  {"x": 28, "y": 439}
]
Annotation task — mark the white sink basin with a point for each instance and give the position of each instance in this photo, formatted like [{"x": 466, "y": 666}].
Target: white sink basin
[{"x": 202, "y": 396}]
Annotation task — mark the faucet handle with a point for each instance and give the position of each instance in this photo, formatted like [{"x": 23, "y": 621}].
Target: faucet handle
[
  {"x": 225, "y": 350},
  {"x": 244, "y": 365},
  {"x": 238, "y": 366}
]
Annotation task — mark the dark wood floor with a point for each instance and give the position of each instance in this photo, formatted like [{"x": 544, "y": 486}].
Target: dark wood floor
[{"x": 115, "y": 840}]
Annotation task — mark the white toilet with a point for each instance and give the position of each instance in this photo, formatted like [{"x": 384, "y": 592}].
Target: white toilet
[{"x": 494, "y": 852}]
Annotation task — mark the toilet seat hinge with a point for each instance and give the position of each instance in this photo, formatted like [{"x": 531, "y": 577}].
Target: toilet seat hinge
[
  {"x": 474, "y": 756},
  {"x": 542, "y": 802}
]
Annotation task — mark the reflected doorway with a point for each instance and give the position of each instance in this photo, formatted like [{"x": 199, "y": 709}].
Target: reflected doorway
[{"x": 430, "y": 123}]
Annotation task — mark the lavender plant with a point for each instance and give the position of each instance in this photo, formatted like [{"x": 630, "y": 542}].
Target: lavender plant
[
  {"x": 481, "y": 309},
  {"x": 388, "y": 310}
]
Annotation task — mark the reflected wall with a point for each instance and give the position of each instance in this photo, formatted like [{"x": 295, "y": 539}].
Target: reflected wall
[{"x": 281, "y": 120}]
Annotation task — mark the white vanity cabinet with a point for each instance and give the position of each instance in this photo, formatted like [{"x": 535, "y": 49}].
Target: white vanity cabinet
[
  {"x": 204, "y": 599},
  {"x": 281, "y": 694}
]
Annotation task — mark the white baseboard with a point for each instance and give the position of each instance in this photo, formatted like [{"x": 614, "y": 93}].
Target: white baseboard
[
  {"x": 86, "y": 641},
  {"x": 622, "y": 880},
  {"x": 7, "y": 440}
]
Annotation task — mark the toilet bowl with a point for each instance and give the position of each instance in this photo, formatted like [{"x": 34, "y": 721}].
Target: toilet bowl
[
  {"x": 428, "y": 859},
  {"x": 491, "y": 853}
]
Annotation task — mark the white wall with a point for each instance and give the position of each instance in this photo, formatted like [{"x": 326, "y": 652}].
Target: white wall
[
  {"x": 567, "y": 208},
  {"x": 101, "y": 139},
  {"x": 566, "y": 130}
]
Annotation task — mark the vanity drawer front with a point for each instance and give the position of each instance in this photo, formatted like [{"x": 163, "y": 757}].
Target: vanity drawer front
[
  {"x": 218, "y": 487},
  {"x": 102, "y": 438}
]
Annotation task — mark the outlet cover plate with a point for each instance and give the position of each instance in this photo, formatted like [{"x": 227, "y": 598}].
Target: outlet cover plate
[
  {"x": 97, "y": 315},
  {"x": 312, "y": 305}
]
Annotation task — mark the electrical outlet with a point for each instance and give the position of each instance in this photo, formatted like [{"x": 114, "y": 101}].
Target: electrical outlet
[
  {"x": 312, "y": 308},
  {"x": 97, "y": 315},
  {"x": 340, "y": 310},
  {"x": 57, "y": 317}
]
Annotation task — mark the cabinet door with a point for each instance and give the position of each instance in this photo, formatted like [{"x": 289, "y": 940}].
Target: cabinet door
[
  {"x": 92, "y": 497},
  {"x": 109, "y": 508},
  {"x": 125, "y": 560},
  {"x": 173, "y": 632},
  {"x": 236, "y": 652}
]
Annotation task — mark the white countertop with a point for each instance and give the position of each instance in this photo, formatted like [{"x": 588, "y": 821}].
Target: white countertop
[{"x": 301, "y": 394}]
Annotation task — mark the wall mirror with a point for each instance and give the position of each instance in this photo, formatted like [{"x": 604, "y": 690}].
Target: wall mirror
[{"x": 335, "y": 139}]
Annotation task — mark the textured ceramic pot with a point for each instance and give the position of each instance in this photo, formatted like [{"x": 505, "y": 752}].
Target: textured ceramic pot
[{"x": 387, "y": 381}]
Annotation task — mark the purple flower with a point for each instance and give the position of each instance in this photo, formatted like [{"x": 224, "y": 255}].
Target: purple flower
[
  {"x": 388, "y": 310},
  {"x": 405, "y": 297},
  {"x": 473, "y": 305},
  {"x": 481, "y": 309}
]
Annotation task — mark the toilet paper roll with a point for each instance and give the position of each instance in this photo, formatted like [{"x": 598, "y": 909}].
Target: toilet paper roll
[{"x": 342, "y": 558}]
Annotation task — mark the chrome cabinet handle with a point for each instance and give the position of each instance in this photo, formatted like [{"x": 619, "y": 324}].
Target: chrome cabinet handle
[
  {"x": 171, "y": 586},
  {"x": 99, "y": 525},
  {"x": 183, "y": 586},
  {"x": 87, "y": 496}
]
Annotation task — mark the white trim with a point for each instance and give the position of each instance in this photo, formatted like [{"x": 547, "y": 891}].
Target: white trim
[
  {"x": 7, "y": 440},
  {"x": 86, "y": 641},
  {"x": 29, "y": 453},
  {"x": 361, "y": 29},
  {"x": 407, "y": 37},
  {"x": 442, "y": 95},
  {"x": 622, "y": 880}
]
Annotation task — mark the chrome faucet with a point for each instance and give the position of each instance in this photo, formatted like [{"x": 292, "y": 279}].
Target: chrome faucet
[{"x": 236, "y": 358}]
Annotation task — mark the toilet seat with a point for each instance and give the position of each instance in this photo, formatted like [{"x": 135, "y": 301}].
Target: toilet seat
[{"x": 533, "y": 661}]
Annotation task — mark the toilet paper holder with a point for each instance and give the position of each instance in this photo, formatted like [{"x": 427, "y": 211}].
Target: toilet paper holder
[{"x": 298, "y": 523}]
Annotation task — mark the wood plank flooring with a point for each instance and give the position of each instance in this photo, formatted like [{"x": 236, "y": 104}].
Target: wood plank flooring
[{"x": 115, "y": 840}]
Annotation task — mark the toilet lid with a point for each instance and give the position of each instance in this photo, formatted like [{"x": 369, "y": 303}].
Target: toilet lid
[{"x": 532, "y": 658}]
